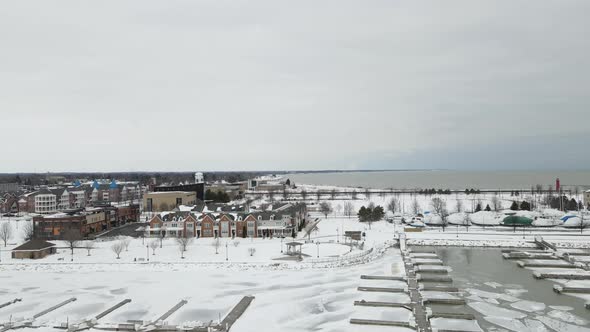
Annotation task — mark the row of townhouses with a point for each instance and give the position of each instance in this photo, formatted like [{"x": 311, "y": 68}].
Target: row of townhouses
[
  {"x": 229, "y": 221},
  {"x": 55, "y": 199}
]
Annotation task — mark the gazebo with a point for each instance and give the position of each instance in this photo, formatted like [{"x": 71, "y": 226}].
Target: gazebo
[{"x": 294, "y": 248}]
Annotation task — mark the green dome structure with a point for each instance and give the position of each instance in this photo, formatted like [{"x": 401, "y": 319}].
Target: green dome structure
[{"x": 517, "y": 221}]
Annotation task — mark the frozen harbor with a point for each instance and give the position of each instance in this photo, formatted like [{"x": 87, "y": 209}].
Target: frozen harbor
[{"x": 505, "y": 297}]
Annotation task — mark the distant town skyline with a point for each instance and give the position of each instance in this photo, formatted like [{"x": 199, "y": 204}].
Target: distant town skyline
[{"x": 275, "y": 85}]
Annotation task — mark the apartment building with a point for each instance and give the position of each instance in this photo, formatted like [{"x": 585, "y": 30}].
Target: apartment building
[
  {"x": 54, "y": 199},
  {"x": 45, "y": 202},
  {"x": 83, "y": 222},
  {"x": 168, "y": 200}
]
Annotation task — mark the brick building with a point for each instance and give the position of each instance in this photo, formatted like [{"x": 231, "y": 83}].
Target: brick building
[
  {"x": 83, "y": 222},
  {"x": 284, "y": 220}
]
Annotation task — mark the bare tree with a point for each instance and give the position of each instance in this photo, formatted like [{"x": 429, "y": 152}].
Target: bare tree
[
  {"x": 496, "y": 204},
  {"x": 251, "y": 251},
  {"x": 73, "y": 238},
  {"x": 318, "y": 195},
  {"x": 467, "y": 219},
  {"x": 325, "y": 208},
  {"x": 438, "y": 205},
  {"x": 333, "y": 194},
  {"x": 5, "y": 232},
  {"x": 459, "y": 206},
  {"x": 154, "y": 245},
  {"x": 393, "y": 205},
  {"x": 416, "y": 207},
  {"x": 444, "y": 216},
  {"x": 249, "y": 202},
  {"x": 303, "y": 194},
  {"x": 348, "y": 209},
  {"x": 118, "y": 248},
  {"x": 338, "y": 209},
  {"x": 353, "y": 194},
  {"x": 549, "y": 194},
  {"x": 216, "y": 244},
  {"x": 368, "y": 194},
  {"x": 89, "y": 245},
  {"x": 126, "y": 241},
  {"x": 28, "y": 230},
  {"x": 183, "y": 243}
]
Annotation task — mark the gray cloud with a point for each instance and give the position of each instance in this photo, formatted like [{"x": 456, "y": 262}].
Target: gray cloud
[{"x": 215, "y": 85}]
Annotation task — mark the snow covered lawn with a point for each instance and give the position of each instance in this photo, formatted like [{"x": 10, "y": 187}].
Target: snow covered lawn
[{"x": 286, "y": 300}]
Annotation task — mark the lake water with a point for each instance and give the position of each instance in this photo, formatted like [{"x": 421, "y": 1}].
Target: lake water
[
  {"x": 484, "y": 269},
  {"x": 444, "y": 179}
]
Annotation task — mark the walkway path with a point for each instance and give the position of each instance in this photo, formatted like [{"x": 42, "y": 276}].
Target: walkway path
[{"x": 420, "y": 315}]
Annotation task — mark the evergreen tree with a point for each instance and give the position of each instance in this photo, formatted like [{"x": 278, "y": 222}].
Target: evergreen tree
[
  {"x": 488, "y": 208},
  {"x": 363, "y": 214},
  {"x": 514, "y": 206},
  {"x": 526, "y": 206},
  {"x": 571, "y": 205},
  {"x": 478, "y": 207},
  {"x": 377, "y": 213}
]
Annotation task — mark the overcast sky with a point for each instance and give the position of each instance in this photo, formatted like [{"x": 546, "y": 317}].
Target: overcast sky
[{"x": 261, "y": 85}]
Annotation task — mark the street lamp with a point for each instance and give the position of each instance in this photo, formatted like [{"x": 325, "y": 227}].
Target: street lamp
[
  {"x": 318, "y": 245},
  {"x": 147, "y": 252},
  {"x": 337, "y": 235},
  {"x": 226, "y": 253}
]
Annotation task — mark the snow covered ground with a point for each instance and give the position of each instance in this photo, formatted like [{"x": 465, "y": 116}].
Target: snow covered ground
[
  {"x": 316, "y": 293},
  {"x": 312, "y": 299}
]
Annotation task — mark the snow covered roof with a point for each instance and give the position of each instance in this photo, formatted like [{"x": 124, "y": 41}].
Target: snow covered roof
[{"x": 34, "y": 245}]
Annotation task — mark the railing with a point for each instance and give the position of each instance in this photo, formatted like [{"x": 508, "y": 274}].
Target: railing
[{"x": 353, "y": 258}]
